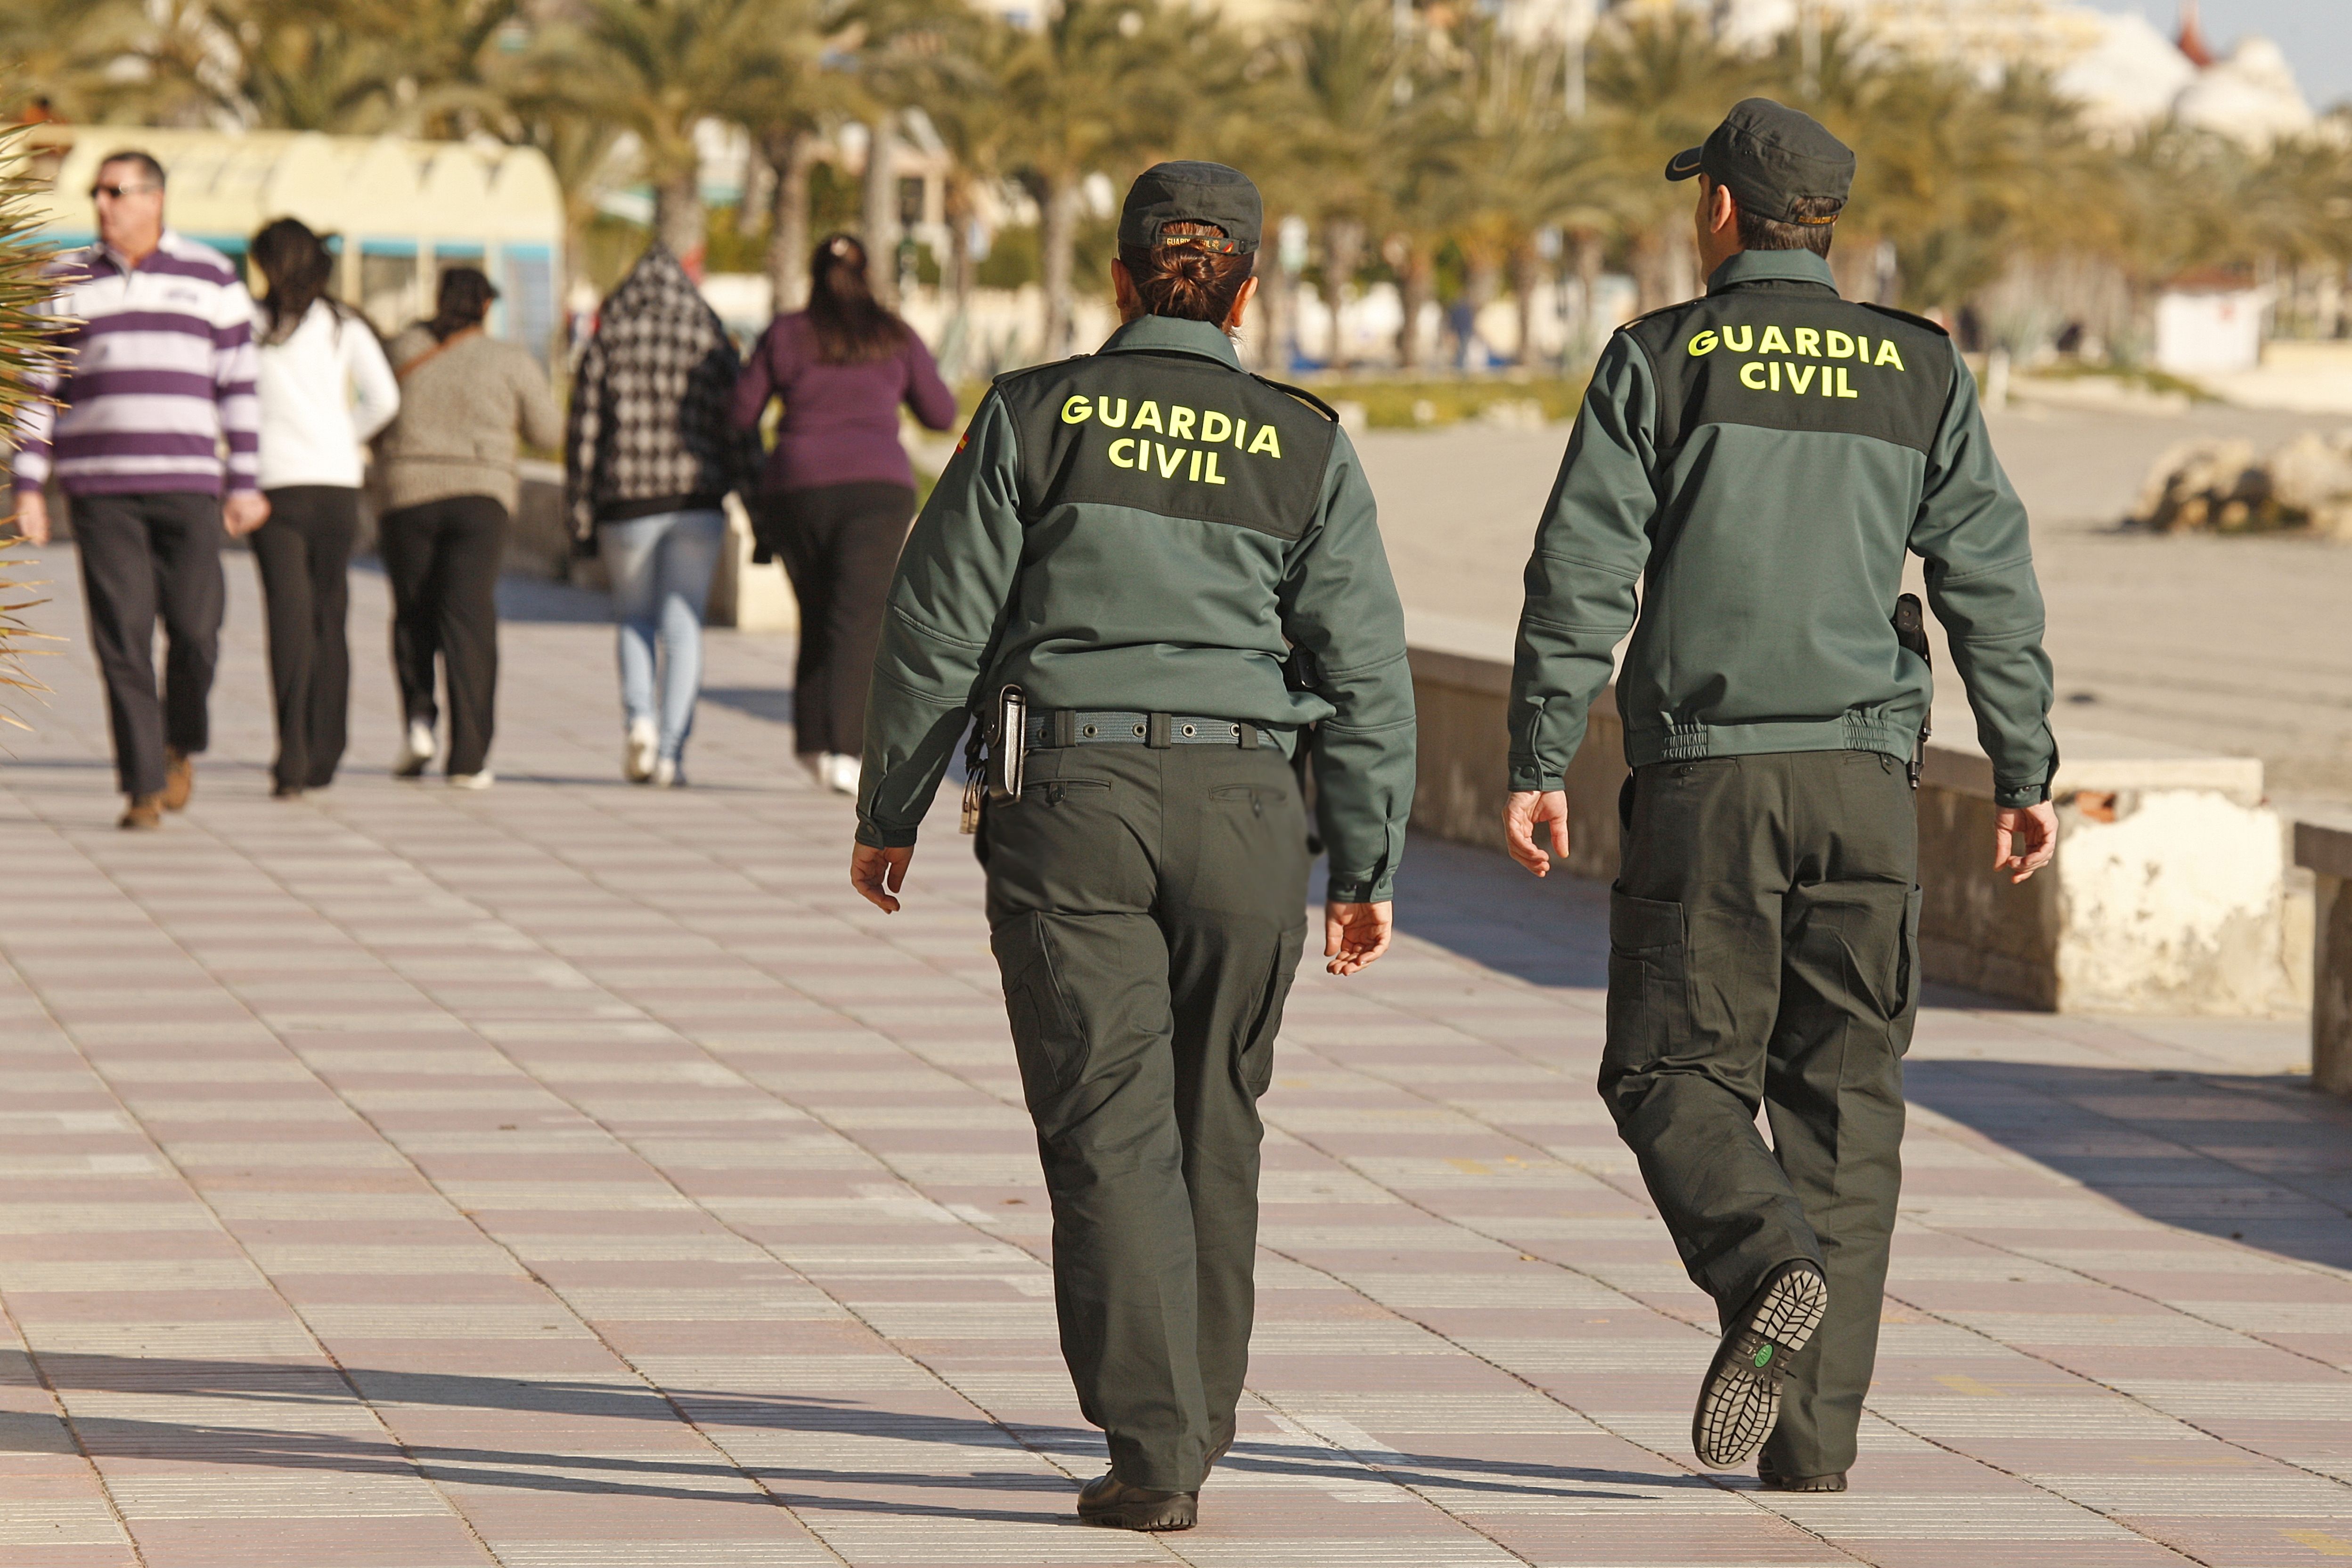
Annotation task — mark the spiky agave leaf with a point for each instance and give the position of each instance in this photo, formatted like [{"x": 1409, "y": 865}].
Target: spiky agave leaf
[{"x": 28, "y": 358}]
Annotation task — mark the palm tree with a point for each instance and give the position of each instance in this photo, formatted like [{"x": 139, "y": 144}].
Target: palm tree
[
  {"x": 1098, "y": 87},
  {"x": 1351, "y": 100},
  {"x": 655, "y": 69},
  {"x": 1658, "y": 83},
  {"x": 68, "y": 52},
  {"x": 28, "y": 356}
]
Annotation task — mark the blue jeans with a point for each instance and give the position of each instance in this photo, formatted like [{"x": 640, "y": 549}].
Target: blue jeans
[{"x": 661, "y": 567}]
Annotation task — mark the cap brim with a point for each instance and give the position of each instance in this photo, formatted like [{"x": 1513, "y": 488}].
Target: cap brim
[{"x": 1683, "y": 165}]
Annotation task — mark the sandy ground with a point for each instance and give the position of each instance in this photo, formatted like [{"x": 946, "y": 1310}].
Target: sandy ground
[{"x": 2238, "y": 644}]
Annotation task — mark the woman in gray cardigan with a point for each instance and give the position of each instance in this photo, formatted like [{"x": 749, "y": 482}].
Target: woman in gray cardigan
[{"x": 447, "y": 464}]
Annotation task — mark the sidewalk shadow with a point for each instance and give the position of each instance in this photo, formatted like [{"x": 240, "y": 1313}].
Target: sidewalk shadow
[
  {"x": 2261, "y": 1160},
  {"x": 773, "y": 703},
  {"x": 1477, "y": 903},
  {"x": 299, "y": 1390}
]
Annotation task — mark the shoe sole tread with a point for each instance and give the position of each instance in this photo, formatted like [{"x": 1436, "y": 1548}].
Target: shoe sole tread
[{"x": 1739, "y": 1402}]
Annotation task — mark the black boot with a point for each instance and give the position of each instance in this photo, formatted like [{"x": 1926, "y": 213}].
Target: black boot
[
  {"x": 1108, "y": 1501},
  {"x": 1739, "y": 1402}
]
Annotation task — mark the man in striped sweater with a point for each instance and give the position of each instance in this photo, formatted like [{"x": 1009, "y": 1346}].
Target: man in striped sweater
[{"x": 154, "y": 435}]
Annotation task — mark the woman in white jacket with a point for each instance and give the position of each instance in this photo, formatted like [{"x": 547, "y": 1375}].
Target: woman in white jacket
[{"x": 325, "y": 389}]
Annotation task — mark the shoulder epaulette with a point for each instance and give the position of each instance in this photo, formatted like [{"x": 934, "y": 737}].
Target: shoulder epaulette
[
  {"x": 1661, "y": 310},
  {"x": 1301, "y": 393},
  {"x": 1002, "y": 377},
  {"x": 1904, "y": 316}
]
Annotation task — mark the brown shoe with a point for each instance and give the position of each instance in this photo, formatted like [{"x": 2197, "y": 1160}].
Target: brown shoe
[
  {"x": 143, "y": 812},
  {"x": 178, "y": 780},
  {"x": 1108, "y": 1501}
]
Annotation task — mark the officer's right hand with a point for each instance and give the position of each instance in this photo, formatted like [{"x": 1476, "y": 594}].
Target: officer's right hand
[
  {"x": 33, "y": 516},
  {"x": 1526, "y": 810},
  {"x": 878, "y": 873}
]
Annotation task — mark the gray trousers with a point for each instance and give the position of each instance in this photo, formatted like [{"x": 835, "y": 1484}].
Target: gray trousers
[
  {"x": 1763, "y": 950},
  {"x": 1147, "y": 909}
]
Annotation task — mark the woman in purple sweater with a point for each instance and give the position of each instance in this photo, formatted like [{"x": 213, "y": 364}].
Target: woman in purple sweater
[{"x": 837, "y": 494}]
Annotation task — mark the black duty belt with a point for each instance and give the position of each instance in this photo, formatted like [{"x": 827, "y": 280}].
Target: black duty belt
[{"x": 1075, "y": 727}]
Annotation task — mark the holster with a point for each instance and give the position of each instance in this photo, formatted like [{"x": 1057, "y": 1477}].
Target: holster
[{"x": 1911, "y": 631}]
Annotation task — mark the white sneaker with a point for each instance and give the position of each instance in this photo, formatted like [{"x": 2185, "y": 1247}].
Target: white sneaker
[
  {"x": 814, "y": 762},
  {"x": 482, "y": 780},
  {"x": 638, "y": 750},
  {"x": 668, "y": 775},
  {"x": 841, "y": 773},
  {"x": 416, "y": 749}
]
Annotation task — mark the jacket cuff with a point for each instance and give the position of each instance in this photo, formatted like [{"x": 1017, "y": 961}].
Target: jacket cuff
[
  {"x": 1345, "y": 891},
  {"x": 1528, "y": 777},
  {"x": 2010, "y": 795},
  {"x": 874, "y": 838}
]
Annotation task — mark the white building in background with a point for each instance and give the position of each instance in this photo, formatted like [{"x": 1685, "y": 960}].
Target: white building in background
[
  {"x": 2125, "y": 71},
  {"x": 2209, "y": 326}
]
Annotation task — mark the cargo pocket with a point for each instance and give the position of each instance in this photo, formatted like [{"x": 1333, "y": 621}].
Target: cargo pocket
[
  {"x": 1649, "y": 982},
  {"x": 1047, "y": 1039},
  {"x": 1907, "y": 978},
  {"x": 1256, "y": 1063}
]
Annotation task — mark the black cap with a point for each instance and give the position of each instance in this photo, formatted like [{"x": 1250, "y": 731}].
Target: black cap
[
  {"x": 1770, "y": 155},
  {"x": 1191, "y": 192}
]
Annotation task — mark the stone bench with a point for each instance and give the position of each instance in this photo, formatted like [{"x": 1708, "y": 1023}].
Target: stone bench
[
  {"x": 2325, "y": 848},
  {"x": 2169, "y": 896}
]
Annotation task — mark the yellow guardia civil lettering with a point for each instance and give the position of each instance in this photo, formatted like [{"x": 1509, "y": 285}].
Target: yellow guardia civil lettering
[
  {"x": 1197, "y": 465},
  {"x": 1809, "y": 342}
]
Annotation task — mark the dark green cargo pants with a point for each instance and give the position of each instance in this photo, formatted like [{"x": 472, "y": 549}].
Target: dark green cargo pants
[
  {"x": 1763, "y": 940},
  {"x": 1147, "y": 908}
]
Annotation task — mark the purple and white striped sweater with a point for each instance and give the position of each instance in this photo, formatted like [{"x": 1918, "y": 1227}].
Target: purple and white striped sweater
[{"x": 159, "y": 376}]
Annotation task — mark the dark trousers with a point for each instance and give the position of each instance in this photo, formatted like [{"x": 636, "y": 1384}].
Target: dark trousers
[
  {"x": 1763, "y": 949},
  {"x": 839, "y": 545},
  {"x": 442, "y": 560},
  {"x": 1146, "y": 907},
  {"x": 304, "y": 552},
  {"x": 142, "y": 555}
]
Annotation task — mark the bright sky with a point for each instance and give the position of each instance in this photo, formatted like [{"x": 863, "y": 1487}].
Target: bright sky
[{"x": 2316, "y": 34}]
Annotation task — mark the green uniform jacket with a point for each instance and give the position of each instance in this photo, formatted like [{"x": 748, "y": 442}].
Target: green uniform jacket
[
  {"x": 1759, "y": 460},
  {"x": 1150, "y": 529}
]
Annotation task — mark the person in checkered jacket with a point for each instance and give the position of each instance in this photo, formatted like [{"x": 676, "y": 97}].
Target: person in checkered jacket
[{"x": 650, "y": 455}]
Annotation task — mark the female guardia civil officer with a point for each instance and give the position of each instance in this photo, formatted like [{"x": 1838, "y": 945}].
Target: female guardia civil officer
[{"x": 1179, "y": 566}]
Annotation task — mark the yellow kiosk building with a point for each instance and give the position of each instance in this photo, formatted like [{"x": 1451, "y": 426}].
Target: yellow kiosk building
[{"x": 400, "y": 210}]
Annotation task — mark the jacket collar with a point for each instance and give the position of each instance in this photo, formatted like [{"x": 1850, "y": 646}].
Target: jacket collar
[
  {"x": 1172, "y": 334},
  {"x": 1772, "y": 267}
]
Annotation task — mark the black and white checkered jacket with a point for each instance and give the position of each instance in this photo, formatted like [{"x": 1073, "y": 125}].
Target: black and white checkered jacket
[{"x": 651, "y": 402}]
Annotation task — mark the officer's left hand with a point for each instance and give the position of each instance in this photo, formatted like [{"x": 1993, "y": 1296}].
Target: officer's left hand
[
  {"x": 1527, "y": 810},
  {"x": 878, "y": 873},
  {"x": 1355, "y": 935}
]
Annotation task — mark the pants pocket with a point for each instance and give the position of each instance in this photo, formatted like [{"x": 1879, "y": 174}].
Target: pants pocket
[
  {"x": 1048, "y": 1041},
  {"x": 1649, "y": 982},
  {"x": 1256, "y": 1063},
  {"x": 1907, "y": 979}
]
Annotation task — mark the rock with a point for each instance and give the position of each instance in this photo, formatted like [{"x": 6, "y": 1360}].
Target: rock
[
  {"x": 2221, "y": 486},
  {"x": 2311, "y": 479}
]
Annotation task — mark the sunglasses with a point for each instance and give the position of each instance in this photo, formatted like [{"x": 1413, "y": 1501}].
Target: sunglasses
[{"x": 118, "y": 192}]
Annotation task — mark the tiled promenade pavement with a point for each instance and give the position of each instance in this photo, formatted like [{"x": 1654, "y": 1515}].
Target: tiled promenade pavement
[{"x": 578, "y": 1176}]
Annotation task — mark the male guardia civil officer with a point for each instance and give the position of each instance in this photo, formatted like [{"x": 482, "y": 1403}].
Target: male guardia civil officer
[
  {"x": 1176, "y": 568},
  {"x": 1759, "y": 460}
]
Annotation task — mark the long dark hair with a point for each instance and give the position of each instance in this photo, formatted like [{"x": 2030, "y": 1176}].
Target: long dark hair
[
  {"x": 852, "y": 326},
  {"x": 463, "y": 300},
  {"x": 298, "y": 266},
  {"x": 1187, "y": 275}
]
